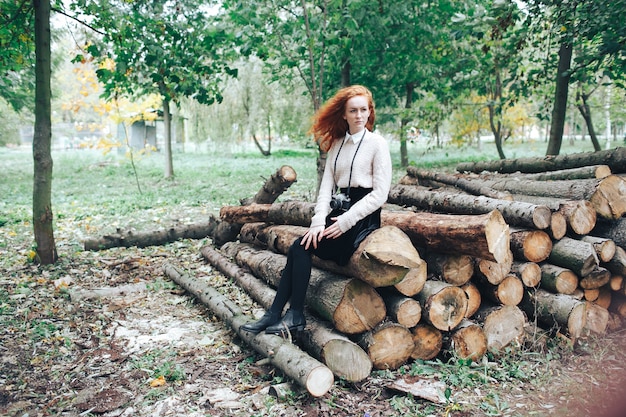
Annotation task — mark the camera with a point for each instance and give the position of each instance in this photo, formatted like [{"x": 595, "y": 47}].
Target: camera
[{"x": 340, "y": 201}]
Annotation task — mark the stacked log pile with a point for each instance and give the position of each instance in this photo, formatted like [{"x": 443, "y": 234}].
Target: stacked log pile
[{"x": 465, "y": 262}]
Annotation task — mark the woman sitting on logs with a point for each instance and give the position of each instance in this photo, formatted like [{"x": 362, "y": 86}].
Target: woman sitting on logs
[{"x": 355, "y": 185}]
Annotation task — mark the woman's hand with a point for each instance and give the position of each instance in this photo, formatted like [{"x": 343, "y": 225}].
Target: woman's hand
[
  {"x": 333, "y": 231},
  {"x": 312, "y": 236}
]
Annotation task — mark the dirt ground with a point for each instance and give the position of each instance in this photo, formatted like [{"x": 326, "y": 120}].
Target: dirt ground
[{"x": 147, "y": 348}]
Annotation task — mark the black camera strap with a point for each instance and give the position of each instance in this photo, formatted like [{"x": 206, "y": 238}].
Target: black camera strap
[{"x": 351, "y": 164}]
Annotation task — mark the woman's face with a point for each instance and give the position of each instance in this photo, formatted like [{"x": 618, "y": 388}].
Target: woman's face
[{"x": 356, "y": 114}]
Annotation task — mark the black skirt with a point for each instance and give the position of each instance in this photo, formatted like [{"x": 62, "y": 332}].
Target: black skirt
[{"x": 341, "y": 249}]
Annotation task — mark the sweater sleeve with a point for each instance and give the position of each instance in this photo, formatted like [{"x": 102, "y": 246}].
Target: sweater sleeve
[
  {"x": 381, "y": 184},
  {"x": 322, "y": 207}
]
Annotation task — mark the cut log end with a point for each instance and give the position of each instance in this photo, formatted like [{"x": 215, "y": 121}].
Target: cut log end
[
  {"x": 345, "y": 361},
  {"x": 319, "y": 381}
]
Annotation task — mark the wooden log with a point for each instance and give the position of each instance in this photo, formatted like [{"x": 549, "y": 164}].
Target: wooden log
[
  {"x": 618, "y": 305},
  {"x": 455, "y": 269},
  {"x": 427, "y": 341},
  {"x": 556, "y": 311},
  {"x": 403, "y": 310},
  {"x": 528, "y": 272},
  {"x": 514, "y": 212},
  {"x": 615, "y": 159},
  {"x": 580, "y": 215},
  {"x": 386, "y": 256},
  {"x": 299, "y": 366},
  {"x": 616, "y": 283},
  {"x": 606, "y": 195},
  {"x": 605, "y": 248},
  {"x": 557, "y": 279},
  {"x": 578, "y": 173},
  {"x": 273, "y": 187},
  {"x": 389, "y": 345},
  {"x": 612, "y": 229},
  {"x": 349, "y": 303},
  {"x": 604, "y": 297},
  {"x": 493, "y": 272},
  {"x": 576, "y": 255},
  {"x": 458, "y": 182},
  {"x": 342, "y": 356},
  {"x": 502, "y": 325},
  {"x": 467, "y": 341},
  {"x": 597, "y": 278},
  {"x": 127, "y": 239},
  {"x": 474, "y": 298},
  {"x": 597, "y": 320},
  {"x": 443, "y": 305},
  {"x": 530, "y": 245},
  {"x": 485, "y": 236},
  {"x": 508, "y": 292},
  {"x": 591, "y": 294},
  {"x": 487, "y": 233},
  {"x": 558, "y": 226},
  {"x": 617, "y": 264}
]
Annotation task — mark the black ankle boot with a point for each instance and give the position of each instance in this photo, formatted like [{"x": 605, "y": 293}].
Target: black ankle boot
[
  {"x": 258, "y": 326},
  {"x": 293, "y": 320}
]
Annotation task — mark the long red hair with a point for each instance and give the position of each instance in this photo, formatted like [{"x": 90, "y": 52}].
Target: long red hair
[{"x": 329, "y": 124}]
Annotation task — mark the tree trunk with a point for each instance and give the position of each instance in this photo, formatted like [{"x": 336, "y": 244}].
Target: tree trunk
[
  {"x": 167, "y": 124},
  {"x": 485, "y": 236},
  {"x": 467, "y": 341},
  {"x": 273, "y": 187},
  {"x": 502, "y": 325},
  {"x": 606, "y": 195},
  {"x": 558, "y": 279},
  {"x": 614, "y": 158},
  {"x": 580, "y": 215},
  {"x": 605, "y": 248},
  {"x": 427, "y": 341},
  {"x": 578, "y": 256},
  {"x": 403, "y": 310},
  {"x": 460, "y": 183},
  {"x": 585, "y": 111},
  {"x": 386, "y": 256},
  {"x": 455, "y": 269},
  {"x": 530, "y": 245},
  {"x": 307, "y": 371},
  {"x": 350, "y": 304},
  {"x": 595, "y": 279},
  {"x": 443, "y": 305},
  {"x": 42, "y": 158},
  {"x": 514, "y": 212},
  {"x": 342, "y": 356},
  {"x": 556, "y": 311},
  {"x": 389, "y": 345},
  {"x": 560, "y": 99},
  {"x": 528, "y": 272},
  {"x": 127, "y": 239},
  {"x": 579, "y": 173}
]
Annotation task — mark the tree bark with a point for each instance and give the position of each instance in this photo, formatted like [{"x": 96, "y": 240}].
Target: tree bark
[
  {"x": 502, "y": 325},
  {"x": 127, "y": 239},
  {"x": 617, "y": 264},
  {"x": 427, "y": 341},
  {"x": 350, "y": 304},
  {"x": 515, "y": 213},
  {"x": 443, "y": 305},
  {"x": 485, "y": 236},
  {"x": 458, "y": 182},
  {"x": 386, "y": 256},
  {"x": 576, "y": 255},
  {"x": 597, "y": 278},
  {"x": 606, "y": 195},
  {"x": 273, "y": 187},
  {"x": 556, "y": 311},
  {"x": 530, "y": 245},
  {"x": 389, "y": 345},
  {"x": 614, "y": 158},
  {"x": 614, "y": 230},
  {"x": 307, "y": 371},
  {"x": 42, "y": 138},
  {"x": 342, "y": 356},
  {"x": 558, "y": 279}
]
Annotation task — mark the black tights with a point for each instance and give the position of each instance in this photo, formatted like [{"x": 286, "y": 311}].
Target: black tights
[{"x": 294, "y": 280}]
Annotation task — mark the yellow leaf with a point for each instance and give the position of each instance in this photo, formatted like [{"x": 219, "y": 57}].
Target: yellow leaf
[{"x": 158, "y": 382}]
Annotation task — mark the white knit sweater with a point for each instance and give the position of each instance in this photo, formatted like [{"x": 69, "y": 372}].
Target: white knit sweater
[{"x": 372, "y": 169}]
